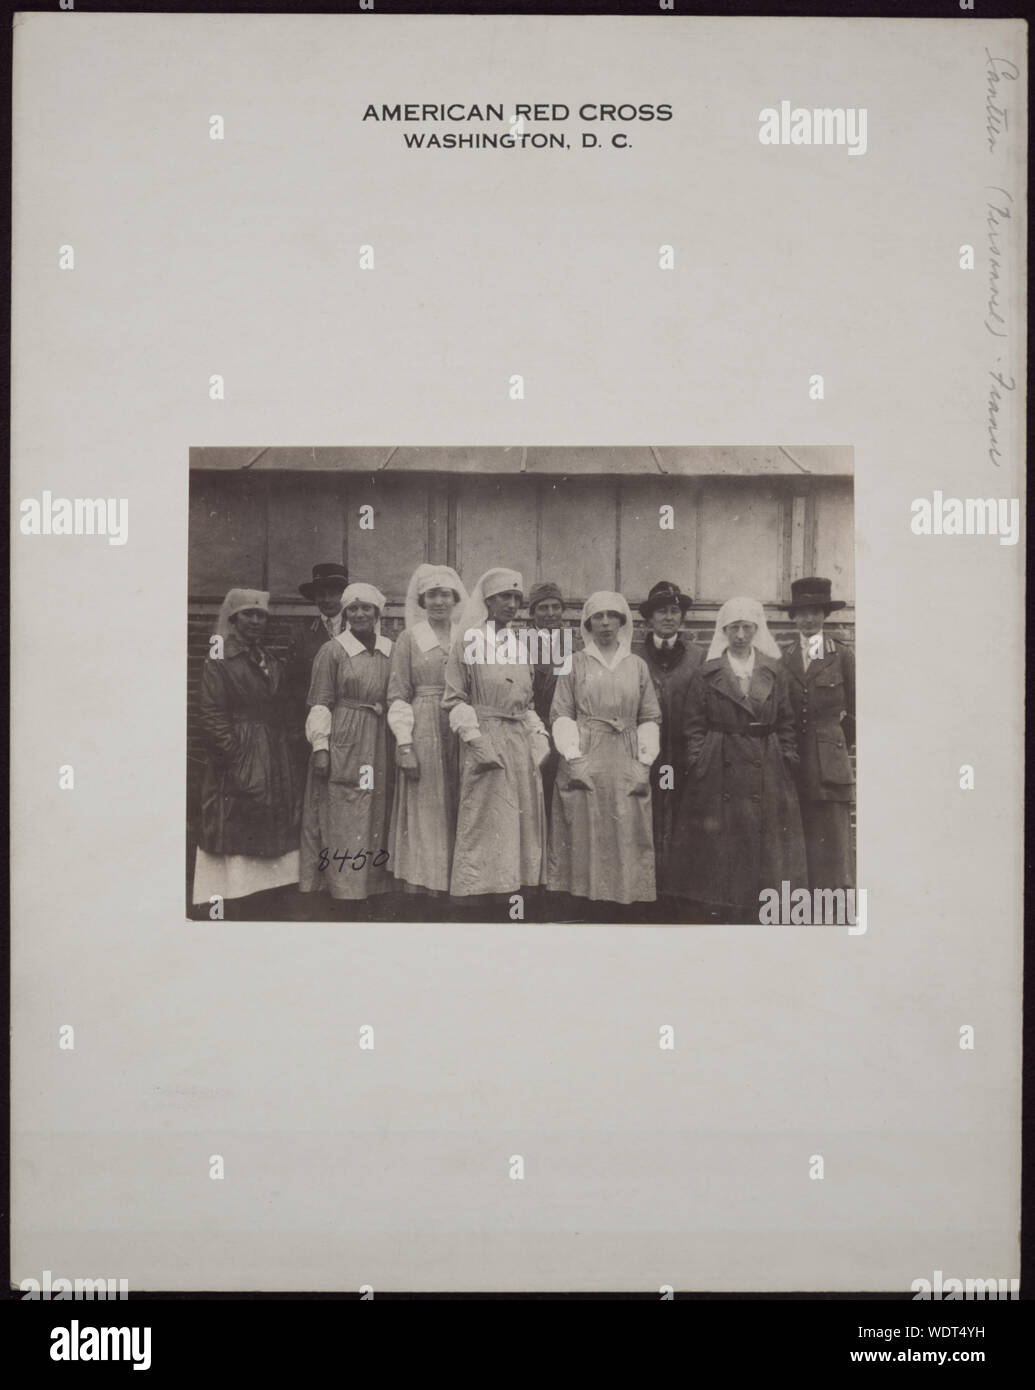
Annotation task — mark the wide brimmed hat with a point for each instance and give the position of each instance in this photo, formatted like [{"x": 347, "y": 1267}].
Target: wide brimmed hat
[
  {"x": 812, "y": 593},
  {"x": 664, "y": 592},
  {"x": 323, "y": 573}
]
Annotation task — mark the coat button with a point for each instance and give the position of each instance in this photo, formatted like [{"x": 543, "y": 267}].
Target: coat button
[
  {"x": 725, "y": 796},
  {"x": 756, "y": 797}
]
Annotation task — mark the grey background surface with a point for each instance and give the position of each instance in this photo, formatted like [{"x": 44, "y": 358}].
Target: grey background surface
[{"x": 390, "y": 1167}]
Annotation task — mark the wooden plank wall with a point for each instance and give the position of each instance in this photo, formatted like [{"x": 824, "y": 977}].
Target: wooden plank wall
[{"x": 732, "y": 535}]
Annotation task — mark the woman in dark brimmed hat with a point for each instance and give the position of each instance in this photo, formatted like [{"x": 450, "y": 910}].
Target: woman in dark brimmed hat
[
  {"x": 546, "y": 610},
  {"x": 822, "y": 691},
  {"x": 671, "y": 660}
]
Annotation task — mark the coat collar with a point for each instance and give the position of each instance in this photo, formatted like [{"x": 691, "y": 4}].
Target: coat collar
[
  {"x": 621, "y": 651},
  {"x": 352, "y": 646},
  {"x": 720, "y": 676},
  {"x": 425, "y": 636},
  {"x": 665, "y": 658},
  {"x": 233, "y": 646},
  {"x": 796, "y": 666}
]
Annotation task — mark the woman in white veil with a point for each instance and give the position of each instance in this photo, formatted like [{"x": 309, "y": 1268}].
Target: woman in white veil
[
  {"x": 423, "y": 825},
  {"x": 738, "y": 822},
  {"x": 606, "y": 721}
]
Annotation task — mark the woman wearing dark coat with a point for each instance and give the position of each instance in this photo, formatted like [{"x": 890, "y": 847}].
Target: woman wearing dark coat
[
  {"x": 821, "y": 674},
  {"x": 250, "y": 793},
  {"x": 671, "y": 660},
  {"x": 738, "y": 826},
  {"x": 546, "y": 610}
]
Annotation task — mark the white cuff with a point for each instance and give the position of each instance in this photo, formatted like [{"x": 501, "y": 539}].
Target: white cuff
[
  {"x": 464, "y": 721},
  {"x": 532, "y": 722},
  {"x": 318, "y": 728},
  {"x": 400, "y": 721},
  {"x": 566, "y": 737},
  {"x": 648, "y": 737}
]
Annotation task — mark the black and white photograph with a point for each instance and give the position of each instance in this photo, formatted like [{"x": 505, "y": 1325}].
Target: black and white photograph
[
  {"x": 554, "y": 685},
  {"x": 528, "y": 799}
]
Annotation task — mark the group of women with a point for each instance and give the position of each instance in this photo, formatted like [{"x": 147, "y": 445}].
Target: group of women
[{"x": 424, "y": 772}]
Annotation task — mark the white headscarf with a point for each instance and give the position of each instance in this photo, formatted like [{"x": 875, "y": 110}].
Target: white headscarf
[
  {"x": 426, "y": 577},
  {"x": 236, "y": 601},
  {"x": 743, "y": 610},
  {"x": 474, "y": 612},
  {"x": 604, "y": 601},
  {"x": 363, "y": 593}
]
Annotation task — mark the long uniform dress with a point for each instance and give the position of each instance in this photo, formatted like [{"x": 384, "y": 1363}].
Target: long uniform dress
[
  {"x": 249, "y": 791},
  {"x": 423, "y": 824},
  {"x": 671, "y": 670},
  {"x": 826, "y": 784},
  {"x": 343, "y": 815},
  {"x": 601, "y": 842},
  {"x": 501, "y": 823},
  {"x": 738, "y": 819},
  {"x": 306, "y": 641}
]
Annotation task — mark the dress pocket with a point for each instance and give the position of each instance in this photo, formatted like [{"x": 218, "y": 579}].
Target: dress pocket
[
  {"x": 637, "y": 778},
  {"x": 478, "y": 755},
  {"x": 705, "y": 756},
  {"x": 346, "y": 750},
  {"x": 577, "y": 775},
  {"x": 250, "y": 773},
  {"x": 834, "y": 763}
]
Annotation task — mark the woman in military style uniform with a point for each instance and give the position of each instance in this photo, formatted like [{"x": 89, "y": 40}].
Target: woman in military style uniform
[{"x": 822, "y": 691}]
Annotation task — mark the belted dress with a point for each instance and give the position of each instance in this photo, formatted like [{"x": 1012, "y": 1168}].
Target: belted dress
[
  {"x": 601, "y": 840},
  {"x": 347, "y": 814},
  {"x": 423, "y": 824},
  {"x": 501, "y": 823}
]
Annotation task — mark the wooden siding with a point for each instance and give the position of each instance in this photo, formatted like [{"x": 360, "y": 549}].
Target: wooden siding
[{"x": 732, "y": 534}]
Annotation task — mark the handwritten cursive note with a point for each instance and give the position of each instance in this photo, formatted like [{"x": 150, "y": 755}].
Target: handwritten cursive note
[
  {"x": 997, "y": 118},
  {"x": 998, "y": 224}
]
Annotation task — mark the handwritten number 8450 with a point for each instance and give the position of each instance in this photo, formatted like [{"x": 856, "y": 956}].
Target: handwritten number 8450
[{"x": 359, "y": 859}]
